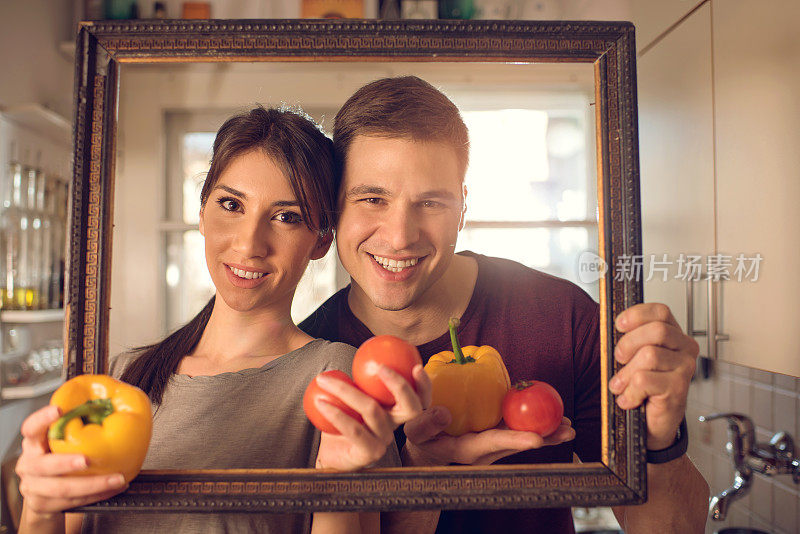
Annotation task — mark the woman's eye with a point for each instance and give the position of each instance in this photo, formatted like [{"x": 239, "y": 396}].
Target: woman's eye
[
  {"x": 289, "y": 217},
  {"x": 228, "y": 204}
]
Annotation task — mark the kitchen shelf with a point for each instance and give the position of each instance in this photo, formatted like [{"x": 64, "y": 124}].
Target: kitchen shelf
[
  {"x": 41, "y": 120},
  {"x": 32, "y": 316},
  {"x": 29, "y": 392}
]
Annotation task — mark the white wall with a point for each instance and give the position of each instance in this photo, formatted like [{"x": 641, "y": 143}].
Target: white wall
[{"x": 32, "y": 68}]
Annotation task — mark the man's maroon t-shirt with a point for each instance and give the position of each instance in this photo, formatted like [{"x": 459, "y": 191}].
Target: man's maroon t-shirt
[{"x": 545, "y": 328}]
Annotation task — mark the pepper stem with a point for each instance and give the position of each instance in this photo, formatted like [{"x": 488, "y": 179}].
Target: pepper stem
[
  {"x": 94, "y": 411},
  {"x": 459, "y": 356}
]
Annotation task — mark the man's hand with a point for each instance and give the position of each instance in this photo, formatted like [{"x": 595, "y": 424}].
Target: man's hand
[
  {"x": 659, "y": 363},
  {"x": 428, "y": 444}
]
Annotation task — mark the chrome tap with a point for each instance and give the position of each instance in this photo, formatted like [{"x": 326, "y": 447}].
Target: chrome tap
[{"x": 773, "y": 458}]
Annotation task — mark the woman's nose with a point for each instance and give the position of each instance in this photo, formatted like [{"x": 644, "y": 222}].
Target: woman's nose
[{"x": 251, "y": 239}]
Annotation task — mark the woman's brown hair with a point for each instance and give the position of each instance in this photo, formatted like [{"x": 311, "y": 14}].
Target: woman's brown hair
[{"x": 305, "y": 156}]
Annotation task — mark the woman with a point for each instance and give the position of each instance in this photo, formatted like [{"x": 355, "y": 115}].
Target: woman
[{"x": 227, "y": 388}]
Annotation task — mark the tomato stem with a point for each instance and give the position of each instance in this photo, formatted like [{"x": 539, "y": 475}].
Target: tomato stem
[
  {"x": 95, "y": 411},
  {"x": 459, "y": 356}
]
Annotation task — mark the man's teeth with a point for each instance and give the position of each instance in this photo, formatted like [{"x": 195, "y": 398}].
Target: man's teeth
[
  {"x": 246, "y": 274},
  {"x": 394, "y": 265}
]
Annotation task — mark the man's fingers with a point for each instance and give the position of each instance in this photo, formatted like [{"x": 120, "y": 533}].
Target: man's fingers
[
  {"x": 428, "y": 425},
  {"x": 424, "y": 386},
  {"x": 651, "y": 358},
  {"x": 640, "y": 314},
  {"x": 656, "y": 334},
  {"x": 407, "y": 403},
  {"x": 563, "y": 433},
  {"x": 646, "y": 384}
]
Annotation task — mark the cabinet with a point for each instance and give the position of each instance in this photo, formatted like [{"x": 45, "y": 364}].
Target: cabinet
[
  {"x": 757, "y": 113},
  {"x": 719, "y": 114},
  {"x": 676, "y": 141}
]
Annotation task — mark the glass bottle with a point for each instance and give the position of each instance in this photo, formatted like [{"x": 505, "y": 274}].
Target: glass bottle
[
  {"x": 31, "y": 274},
  {"x": 45, "y": 202},
  {"x": 13, "y": 223}
]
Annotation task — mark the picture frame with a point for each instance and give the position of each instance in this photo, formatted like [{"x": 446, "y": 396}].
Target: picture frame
[{"x": 102, "y": 46}]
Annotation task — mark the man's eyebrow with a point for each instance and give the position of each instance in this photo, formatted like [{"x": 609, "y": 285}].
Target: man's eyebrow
[
  {"x": 359, "y": 190},
  {"x": 438, "y": 194}
]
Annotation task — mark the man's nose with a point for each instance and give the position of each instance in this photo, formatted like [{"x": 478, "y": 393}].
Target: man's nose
[
  {"x": 400, "y": 228},
  {"x": 252, "y": 238}
]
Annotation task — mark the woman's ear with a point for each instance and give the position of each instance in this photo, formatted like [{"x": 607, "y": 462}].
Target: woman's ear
[
  {"x": 323, "y": 244},
  {"x": 202, "y": 231}
]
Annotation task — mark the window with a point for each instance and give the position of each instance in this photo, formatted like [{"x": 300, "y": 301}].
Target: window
[{"x": 530, "y": 185}]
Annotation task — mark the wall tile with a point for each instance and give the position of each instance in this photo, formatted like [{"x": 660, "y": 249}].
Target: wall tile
[
  {"x": 741, "y": 371},
  {"x": 755, "y": 522},
  {"x": 741, "y": 395},
  {"x": 785, "y": 413},
  {"x": 703, "y": 391},
  {"x": 722, "y": 397},
  {"x": 763, "y": 377},
  {"x": 761, "y": 499},
  {"x": 789, "y": 383},
  {"x": 785, "y": 507},
  {"x": 762, "y": 406}
]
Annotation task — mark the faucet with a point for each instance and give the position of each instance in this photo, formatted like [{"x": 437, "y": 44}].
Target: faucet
[{"x": 774, "y": 458}]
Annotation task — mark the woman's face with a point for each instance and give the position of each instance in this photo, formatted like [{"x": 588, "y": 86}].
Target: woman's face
[{"x": 257, "y": 244}]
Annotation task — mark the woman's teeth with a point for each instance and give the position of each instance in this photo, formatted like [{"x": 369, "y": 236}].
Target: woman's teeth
[
  {"x": 394, "y": 265},
  {"x": 246, "y": 274}
]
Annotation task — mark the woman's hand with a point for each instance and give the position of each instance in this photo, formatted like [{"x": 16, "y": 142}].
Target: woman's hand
[
  {"x": 360, "y": 445},
  {"x": 50, "y": 482}
]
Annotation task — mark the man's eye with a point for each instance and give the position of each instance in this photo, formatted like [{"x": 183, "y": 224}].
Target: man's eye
[
  {"x": 372, "y": 200},
  {"x": 289, "y": 217},
  {"x": 431, "y": 204}
]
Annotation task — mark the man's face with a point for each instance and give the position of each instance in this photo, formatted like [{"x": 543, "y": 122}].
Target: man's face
[{"x": 401, "y": 207}]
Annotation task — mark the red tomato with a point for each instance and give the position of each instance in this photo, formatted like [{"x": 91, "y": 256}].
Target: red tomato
[
  {"x": 390, "y": 351},
  {"x": 313, "y": 391},
  {"x": 533, "y": 406}
]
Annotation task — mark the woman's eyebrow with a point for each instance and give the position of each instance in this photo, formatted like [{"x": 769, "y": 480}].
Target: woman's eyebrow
[{"x": 232, "y": 191}]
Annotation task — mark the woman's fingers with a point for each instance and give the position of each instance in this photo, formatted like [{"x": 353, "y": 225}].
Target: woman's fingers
[
  {"x": 74, "y": 487},
  {"x": 34, "y": 429},
  {"x": 50, "y": 464},
  {"x": 43, "y": 504},
  {"x": 374, "y": 415}
]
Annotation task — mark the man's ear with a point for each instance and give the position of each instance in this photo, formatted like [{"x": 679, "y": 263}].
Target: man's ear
[
  {"x": 322, "y": 246},
  {"x": 463, "y": 207},
  {"x": 202, "y": 231}
]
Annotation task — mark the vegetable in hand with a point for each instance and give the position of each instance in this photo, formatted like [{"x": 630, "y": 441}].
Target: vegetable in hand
[
  {"x": 533, "y": 406},
  {"x": 313, "y": 392},
  {"x": 106, "y": 420},
  {"x": 390, "y": 351},
  {"x": 471, "y": 383}
]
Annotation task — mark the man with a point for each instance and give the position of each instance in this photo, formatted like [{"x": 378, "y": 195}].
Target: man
[{"x": 402, "y": 150}]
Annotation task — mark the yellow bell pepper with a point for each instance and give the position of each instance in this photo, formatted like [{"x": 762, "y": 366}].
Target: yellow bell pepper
[
  {"x": 471, "y": 383},
  {"x": 106, "y": 420}
]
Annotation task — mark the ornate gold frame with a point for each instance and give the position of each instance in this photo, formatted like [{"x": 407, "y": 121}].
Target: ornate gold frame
[{"x": 101, "y": 47}]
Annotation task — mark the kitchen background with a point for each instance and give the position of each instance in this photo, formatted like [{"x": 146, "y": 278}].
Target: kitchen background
[{"x": 718, "y": 109}]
